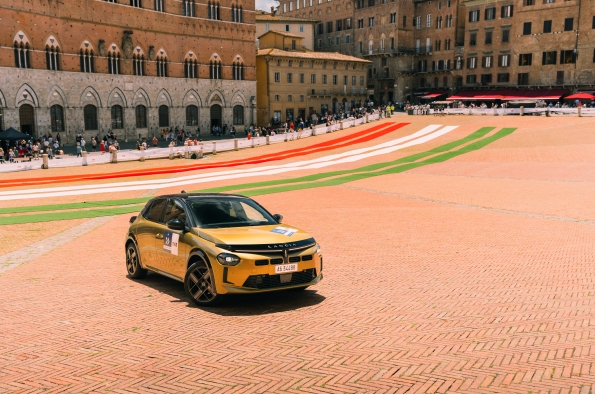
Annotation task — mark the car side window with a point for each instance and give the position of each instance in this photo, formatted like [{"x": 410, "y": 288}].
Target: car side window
[
  {"x": 175, "y": 210},
  {"x": 156, "y": 210}
]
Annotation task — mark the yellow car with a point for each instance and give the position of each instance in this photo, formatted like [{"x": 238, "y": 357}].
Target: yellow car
[{"x": 218, "y": 244}]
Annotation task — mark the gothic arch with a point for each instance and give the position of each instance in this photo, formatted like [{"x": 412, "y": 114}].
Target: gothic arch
[
  {"x": 21, "y": 37},
  {"x": 215, "y": 58},
  {"x": 216, "y": 97},
  {"x": 87, "y": 46},
  {"x": 2, "y": 100},
  {"x": 238, "y": 59},
  {"x": 56, "y": 96},
  {"x": 120, "y": 100},
  {"x": 90, "y": 96},
  {"x": 141, "y": 98},
  {"x": 26, "y": 95},
  {"x": 164, "y": 98},
  {"x": 238, "y": 99},
  {"x": 194, "y": 100},
  {"x": 52, "y": 41}
]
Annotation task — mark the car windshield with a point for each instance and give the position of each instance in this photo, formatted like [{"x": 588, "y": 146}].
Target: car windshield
[{"x": 217, "y": 212}]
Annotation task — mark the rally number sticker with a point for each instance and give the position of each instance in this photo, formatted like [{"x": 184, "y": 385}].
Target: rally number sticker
[
  {"x": 170, "y": 242},
  {"x": 284, "y": 231}
]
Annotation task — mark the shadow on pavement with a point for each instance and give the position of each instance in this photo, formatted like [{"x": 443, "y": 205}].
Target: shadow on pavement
[{"x": 239, "y": 304}]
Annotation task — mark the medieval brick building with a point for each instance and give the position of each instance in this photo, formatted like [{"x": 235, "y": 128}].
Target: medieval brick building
[{"x": 132, "y": 66}]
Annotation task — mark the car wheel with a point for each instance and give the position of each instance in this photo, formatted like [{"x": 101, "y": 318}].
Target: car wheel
[
  {"x": 135, "y": 270},
  {"x": 199, "y": 285}
]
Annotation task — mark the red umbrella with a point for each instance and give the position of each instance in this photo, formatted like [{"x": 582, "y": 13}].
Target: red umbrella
[{"x": 580, "y": 96}]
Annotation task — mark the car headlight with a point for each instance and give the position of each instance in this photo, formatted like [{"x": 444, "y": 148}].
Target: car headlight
[
  {"x": 228, "y": 259},
  {"x": 318, "y": 249}
]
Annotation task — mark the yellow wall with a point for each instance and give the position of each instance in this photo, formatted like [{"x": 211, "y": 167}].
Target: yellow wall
[
  {"x": 308, "y": 32},
  {"x": 267, "y": 89}
]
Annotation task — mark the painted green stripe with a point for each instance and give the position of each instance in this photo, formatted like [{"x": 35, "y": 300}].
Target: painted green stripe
[
  {"x": 358, "y": 176},
  {"x": 309, "y": 178},
  {"x": 281, "y": 186},
  {"x": 78, "y": 205},
  {"x": 49, "y": 217}
]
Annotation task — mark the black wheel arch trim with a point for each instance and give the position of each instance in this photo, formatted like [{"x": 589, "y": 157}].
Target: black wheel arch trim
[{"x": 200, "y": 253}]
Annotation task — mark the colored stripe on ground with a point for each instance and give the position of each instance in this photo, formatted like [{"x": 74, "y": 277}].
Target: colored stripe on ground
[
  {"x": 290, "y": 185},
  {"x": 309, "y": 178},
  {"x": 77, "y": 205},
  {"x": 49, "y": 217},
  {"x": 395, "y": 170},
  {"x": 351, "y": 139}
]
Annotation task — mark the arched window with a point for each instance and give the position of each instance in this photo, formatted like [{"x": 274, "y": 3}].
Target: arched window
[
  {"x": 117, "y": 117},
  {"x": 159, "y": 5},
  {"x": 1, "y": 119},
  {"x": 190, "y": 68},
  {"x": 163, "y": 116},
  {"x": 238, "y": 115},
  {"x": 236, "y": 13},
  {"x": 113, "y": 60},
  {"x": 57, "y": 118},
  {"x": 87, "y": 61},
  {"x": 238, "y": 70},
  {"x": 21, "y": 55},
  {"x": 191, "y": 115},
  {"x": 141, "y": 117},
  {"x": 161, "y": 66},
  {"x": 138, "y": 64},
  {"x": 215, "y": 69},
  {"x": 188, "y": 7},
  {"x": 52, "y": 57},
  {"x": 90, "y": 114},
  {"x": 213, "y": 10}
]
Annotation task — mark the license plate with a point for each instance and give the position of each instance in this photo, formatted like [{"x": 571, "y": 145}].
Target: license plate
[{"x": 284, "y": 268}]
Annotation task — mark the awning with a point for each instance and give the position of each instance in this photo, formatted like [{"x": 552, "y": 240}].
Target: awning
[
  {"x": 552, "y": 94},
  {"x": 490, "y": 95},
  {"x": 433, "y": 95},
  {"x": 580, "y": 96}
]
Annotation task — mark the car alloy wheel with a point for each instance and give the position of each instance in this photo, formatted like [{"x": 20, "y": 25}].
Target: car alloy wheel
[
  {"x": 199, "y": 285},
  {"x": 133, "y": 266}
]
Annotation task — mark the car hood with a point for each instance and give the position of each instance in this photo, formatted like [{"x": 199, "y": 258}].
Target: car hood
[{"x": 258, "y": 235}]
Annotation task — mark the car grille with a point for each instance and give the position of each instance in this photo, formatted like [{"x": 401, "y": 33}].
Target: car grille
[
  {"x": 294, "y": 259},
  {"x": 270, "y": 248},
  {"x": 274, "y": 281}
]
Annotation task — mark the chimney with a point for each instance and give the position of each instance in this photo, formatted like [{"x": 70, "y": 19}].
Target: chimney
[{"x": 273, "y": 11}]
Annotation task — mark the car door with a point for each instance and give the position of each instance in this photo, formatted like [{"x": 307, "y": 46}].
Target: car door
[
  {"x": 147, "y": 231},
  {"x": 172, "y": 251}
]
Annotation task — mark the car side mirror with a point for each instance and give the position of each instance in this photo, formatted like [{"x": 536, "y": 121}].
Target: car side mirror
[
  {"x": 278, "y": 217},
  {"x": 132, "y": 219},
  {"x": 176, "y": 224}
]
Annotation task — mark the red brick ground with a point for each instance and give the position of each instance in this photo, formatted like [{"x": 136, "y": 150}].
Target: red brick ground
[{"x": 473, "y": 275}]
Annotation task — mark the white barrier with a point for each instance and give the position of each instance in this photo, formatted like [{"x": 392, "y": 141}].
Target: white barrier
[{"x": 180, "y": 151}]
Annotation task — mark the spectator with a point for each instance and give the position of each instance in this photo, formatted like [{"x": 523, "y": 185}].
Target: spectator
[
  {"x": 79, "y": 150},
  {"x": 155, "y": 141}
]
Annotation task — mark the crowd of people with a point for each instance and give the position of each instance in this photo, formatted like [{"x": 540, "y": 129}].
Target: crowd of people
[
  {"x": 177, "y": 136},
  {"x": 31, "y": 149}
]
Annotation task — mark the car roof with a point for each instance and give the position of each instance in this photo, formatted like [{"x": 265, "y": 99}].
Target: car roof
[{"x": 194, "y": 195}]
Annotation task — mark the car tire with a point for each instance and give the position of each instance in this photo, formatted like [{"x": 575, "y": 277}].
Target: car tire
[
  {"x": 133, "y": 265},
  {"x": 199, "y": 285}
]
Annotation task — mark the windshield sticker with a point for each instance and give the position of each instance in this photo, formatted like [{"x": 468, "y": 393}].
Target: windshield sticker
[
  {"x": 170, "y": 242},
  {"x": 284, "y": 231}
]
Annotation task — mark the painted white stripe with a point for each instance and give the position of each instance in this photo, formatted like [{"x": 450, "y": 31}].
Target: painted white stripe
[
  {"x": 163, "y": 182},
  {"x": 417, "y": 138}
]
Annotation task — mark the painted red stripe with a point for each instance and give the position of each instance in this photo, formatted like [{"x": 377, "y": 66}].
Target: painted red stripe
[{"x": 363, "y": 136}]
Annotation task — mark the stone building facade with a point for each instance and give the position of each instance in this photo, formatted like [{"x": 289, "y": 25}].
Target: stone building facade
[
  {"x": 295, "y": 83},
  {"x": 424, "y": 46},
  {"x": 155, "y": 64},
  {"x": 266, "y": 21}
]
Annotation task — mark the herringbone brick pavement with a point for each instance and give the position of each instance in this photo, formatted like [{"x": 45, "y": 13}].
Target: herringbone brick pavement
[{"x": 473, "y": 278}]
